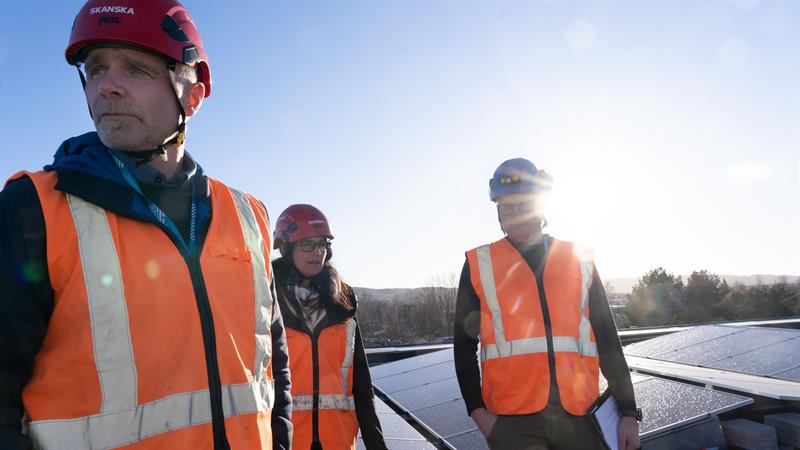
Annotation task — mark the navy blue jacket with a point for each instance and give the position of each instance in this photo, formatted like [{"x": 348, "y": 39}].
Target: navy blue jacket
[{"x": 86, "y": 169}]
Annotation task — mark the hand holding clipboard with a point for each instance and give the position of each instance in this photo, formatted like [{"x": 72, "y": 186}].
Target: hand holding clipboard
[{"x": 606, "y": 418}]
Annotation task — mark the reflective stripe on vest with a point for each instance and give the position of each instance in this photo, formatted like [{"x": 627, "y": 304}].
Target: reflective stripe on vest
[
  {"x": 326, "y": 401},
  {"x": 349, "y": 348},
  {"x": 255, "y": 243},
  {"x": 537, "y": 345},
  {"x": 586, "y": 346},
  {"x": 111, "y": 334},
  {"x": 120, "y": 420},
  {"x": 109, "y": 430},
  {"x": 503, "y": 348}
]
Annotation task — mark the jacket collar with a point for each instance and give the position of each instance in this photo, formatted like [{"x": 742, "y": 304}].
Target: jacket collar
[
  {"x": 85, "y": 169},
  {"x": 144, "y": 173}
]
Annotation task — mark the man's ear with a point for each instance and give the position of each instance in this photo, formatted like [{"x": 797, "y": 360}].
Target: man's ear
[{"x": 193, "y": 98}]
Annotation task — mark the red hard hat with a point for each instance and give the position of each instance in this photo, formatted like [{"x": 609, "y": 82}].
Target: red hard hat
[
  {"x": 300, "y": 222},
  {"x": 160, "y": 26}
]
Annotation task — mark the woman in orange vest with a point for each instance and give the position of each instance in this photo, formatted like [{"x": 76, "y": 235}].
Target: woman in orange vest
[{"x": 331, "y": 387}]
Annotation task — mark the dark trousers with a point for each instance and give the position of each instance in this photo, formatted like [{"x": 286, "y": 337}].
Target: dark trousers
[{"x": 550, "y": 429}]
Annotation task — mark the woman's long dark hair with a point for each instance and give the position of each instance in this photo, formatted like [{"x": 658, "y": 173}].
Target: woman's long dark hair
[{"x": 329, "y": 279}]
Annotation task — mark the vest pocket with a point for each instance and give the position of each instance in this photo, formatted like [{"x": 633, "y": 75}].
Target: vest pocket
[{"x": 239, "y": 254}]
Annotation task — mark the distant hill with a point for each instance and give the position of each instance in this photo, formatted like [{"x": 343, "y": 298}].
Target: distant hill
[
  {"x": 625, "y": 285},
  {"x": 621, "y": 286},
  {"x": 385, "y": 295}
]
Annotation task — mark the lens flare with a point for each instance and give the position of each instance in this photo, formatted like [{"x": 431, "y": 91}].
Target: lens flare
[
  {"x": 32, "y": 272},
  {"x": 152, "y": 269}
]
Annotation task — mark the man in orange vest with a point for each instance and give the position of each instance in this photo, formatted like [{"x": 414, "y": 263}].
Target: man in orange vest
[
  {"x": 538, "y": 309},
  {"x": 137, "y": 308}
]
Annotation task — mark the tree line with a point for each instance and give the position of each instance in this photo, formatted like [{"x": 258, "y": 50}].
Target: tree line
[
  {"x": 425, "y": 317},
  {"x": 661, "y": 298},
  {"x": 658, "y": 298}
]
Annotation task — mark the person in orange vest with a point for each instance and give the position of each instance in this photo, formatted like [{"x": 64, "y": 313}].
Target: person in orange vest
[
  {"x": 136, "y": 307},
  {"x": 538, "y": 309},
  {"x": 331, "y": 387}
]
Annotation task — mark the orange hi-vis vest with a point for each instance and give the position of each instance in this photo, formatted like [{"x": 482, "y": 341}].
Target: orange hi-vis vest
[
  {"x": 514, "y": 348},
  {"x": 123, "y": 363},
  {"x": 337, "y": 424}
]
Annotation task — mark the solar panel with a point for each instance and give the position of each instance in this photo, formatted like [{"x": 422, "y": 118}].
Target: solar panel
[
  {"x": 668, "y": 404},
  {"x": 396, "y": 427},
  {"x": 773, "y": 352},
  {"x": 428, "y": 395},
  {"x": 400, "y": 444},
  {"x": 727, "y": 346},
  {"x": 399, "y": 435},
  {"x": 679, "y": 340},
  {"x": 792, "y": 374},
  {"x": 408, "y": 364},
  {"x": 416, "y": 377},
  {"x": 471, "y": 440},
  {"x": 448, "y": 419},
  {"x": 382, "y": 407},
  {"x": 767, "y": 360}
]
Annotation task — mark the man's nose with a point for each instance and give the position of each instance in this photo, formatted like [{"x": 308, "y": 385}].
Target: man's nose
[{"x": 111, "y": 84}]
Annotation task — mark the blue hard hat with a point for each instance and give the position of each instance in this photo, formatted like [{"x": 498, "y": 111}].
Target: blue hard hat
[{"x": 515, "y": 176}]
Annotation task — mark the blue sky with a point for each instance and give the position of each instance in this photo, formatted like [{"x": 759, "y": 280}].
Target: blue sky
[{"x": 672, "y": 129}]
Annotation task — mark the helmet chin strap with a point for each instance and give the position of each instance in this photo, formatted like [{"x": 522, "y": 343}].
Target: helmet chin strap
[
  {"x": 145, "y": 156},
  {"x": 177, "y": 137}
]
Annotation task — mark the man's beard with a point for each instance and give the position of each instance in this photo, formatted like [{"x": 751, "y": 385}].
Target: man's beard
[{"x": 126, "y": 133}]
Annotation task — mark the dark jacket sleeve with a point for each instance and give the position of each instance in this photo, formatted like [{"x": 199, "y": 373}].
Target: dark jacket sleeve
[
  {"x": 26, "y": 302},
  {"x": 282, "y": 411},
  {"x": 364, "y": 398},
  {"x": 466, "y": 328},
  {"x": 612, "y": 360}
]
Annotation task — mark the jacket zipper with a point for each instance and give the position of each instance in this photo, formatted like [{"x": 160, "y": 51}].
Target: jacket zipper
[
  {"x": 553, "y": 398},
  {"x": 209, "y": 335},
  {"x": 313, "y": 336},
  {"x": 315, "y": 378},
  {"x": 315, "y": 442},
  {"x": 210, "y": 345}
]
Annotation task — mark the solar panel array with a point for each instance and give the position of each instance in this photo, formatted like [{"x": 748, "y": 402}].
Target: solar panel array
[
  {"x": 399, "y": 435},
  {"x": 769, "y": 352},
  {"x": 426, "y": 387}
]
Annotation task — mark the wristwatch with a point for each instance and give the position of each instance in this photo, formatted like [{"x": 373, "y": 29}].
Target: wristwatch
[{"x": 635, "y": 413}]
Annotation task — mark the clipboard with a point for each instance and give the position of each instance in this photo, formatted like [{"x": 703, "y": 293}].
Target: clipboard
[{"x": 606, "y": 417}]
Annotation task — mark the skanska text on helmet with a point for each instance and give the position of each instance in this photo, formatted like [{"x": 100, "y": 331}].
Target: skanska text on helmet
[{"x": 111, "y": 9}]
